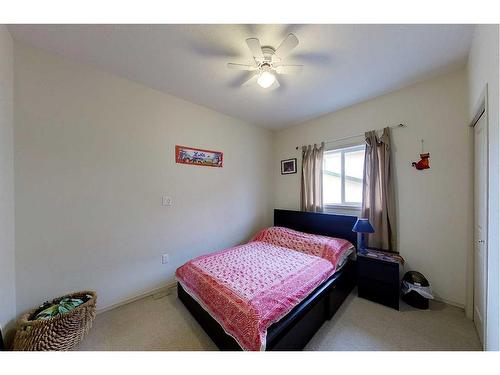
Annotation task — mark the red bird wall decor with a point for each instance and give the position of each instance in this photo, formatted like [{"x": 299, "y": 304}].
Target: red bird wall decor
[{"x": 423, "y": 163}]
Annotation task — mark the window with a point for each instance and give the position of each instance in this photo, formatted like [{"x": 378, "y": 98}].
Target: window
[{"x": 343, "y": 177}]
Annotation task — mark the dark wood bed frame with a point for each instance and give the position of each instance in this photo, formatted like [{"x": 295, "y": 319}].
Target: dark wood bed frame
[{"x": 296, "y": 328}]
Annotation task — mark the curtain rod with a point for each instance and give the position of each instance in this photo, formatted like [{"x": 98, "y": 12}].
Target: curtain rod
[{"x": 360, "y": 134}]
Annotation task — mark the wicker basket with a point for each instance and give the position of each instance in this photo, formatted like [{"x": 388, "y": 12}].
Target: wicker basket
[{"x": 62, "y": 332}]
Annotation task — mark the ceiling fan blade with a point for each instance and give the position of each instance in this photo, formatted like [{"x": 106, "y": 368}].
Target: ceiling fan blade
[
  {"x": 287, "y": 45},
  {"x": 253, "y": 79},
  {"x": 241, "y": 66},
  {"x": 289, "y": 69},
  {"x": 255, "y": 48},
  {"x": 275, "y": 84}
]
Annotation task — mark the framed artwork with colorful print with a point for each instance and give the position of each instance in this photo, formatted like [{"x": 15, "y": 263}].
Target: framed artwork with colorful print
[
  {"x": 197, "y": 156},
  {"x": 289, "y": 166}
]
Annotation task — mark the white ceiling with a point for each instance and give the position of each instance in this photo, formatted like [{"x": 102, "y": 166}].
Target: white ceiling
[{"x": 344, "y": 64}]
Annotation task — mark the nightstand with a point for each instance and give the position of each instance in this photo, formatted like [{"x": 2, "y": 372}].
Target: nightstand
[{"x": 379, "y": 275}]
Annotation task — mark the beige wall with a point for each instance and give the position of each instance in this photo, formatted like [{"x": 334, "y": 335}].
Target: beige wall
[
  {"x": 483, "y": 70},
  {"x": 7, "y": 256},
  {"x": 434, "y": 204},
  {"x": 94, "y": 154}
]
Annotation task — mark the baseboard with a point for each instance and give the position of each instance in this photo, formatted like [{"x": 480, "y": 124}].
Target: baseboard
[
  {"x": 451, "y": 303},
  {"x": 164, "y": 289}
]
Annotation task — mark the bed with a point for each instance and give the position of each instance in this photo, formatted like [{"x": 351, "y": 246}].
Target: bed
[{"x": 284, "y": 314}]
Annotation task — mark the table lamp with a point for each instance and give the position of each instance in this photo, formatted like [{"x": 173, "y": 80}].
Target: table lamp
[{"x": 362, "y": 226}]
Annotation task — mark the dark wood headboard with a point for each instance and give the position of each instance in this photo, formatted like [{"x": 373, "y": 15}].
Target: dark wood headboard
[{"x": 339, "y": 226}]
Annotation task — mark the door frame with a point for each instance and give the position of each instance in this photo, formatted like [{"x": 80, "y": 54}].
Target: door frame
[{"x": 480, "y": 110}]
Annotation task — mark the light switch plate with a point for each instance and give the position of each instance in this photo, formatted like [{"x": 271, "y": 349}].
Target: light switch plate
[
  {"x": 165, "y": 258},
  {"x": 166, "y": 201}
]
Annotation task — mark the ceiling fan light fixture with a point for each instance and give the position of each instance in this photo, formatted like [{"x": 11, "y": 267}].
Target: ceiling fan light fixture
[
  {"x": 266, "y": 79},
  {"x": 268, "y": 63}
]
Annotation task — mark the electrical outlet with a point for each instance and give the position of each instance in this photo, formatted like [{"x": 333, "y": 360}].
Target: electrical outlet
[
  {"x": 165, "y": 258},
  {"x": 166, "y": 201}
]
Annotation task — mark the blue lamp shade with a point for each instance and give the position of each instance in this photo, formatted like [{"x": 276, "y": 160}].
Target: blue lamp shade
[{"x": 363, "y": 226}]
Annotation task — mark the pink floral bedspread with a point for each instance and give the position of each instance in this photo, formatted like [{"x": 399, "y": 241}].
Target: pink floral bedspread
[{"x": 247, "y": 288}]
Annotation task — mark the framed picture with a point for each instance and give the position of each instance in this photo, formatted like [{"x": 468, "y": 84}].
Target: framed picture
[
  {"x": 289, "y": 166},
  {"x": 197, "y": 156}
]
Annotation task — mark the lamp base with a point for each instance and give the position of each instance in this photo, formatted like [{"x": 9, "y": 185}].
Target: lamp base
[
  {"x": 363, "y": 251},
  {"x": 361, "y": 244}
]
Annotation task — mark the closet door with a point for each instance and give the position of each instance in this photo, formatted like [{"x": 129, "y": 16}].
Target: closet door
[{"x": 480, "y": 223}]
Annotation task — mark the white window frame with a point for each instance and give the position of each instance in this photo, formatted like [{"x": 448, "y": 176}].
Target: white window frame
[{"x": 347, "y": 206}]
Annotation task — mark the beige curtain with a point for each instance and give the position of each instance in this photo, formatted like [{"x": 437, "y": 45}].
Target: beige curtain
[
  {"x": 378, "y": 191},
  {"x": 311, "y": 195}
]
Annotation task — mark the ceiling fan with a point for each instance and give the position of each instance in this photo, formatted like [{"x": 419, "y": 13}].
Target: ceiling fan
[{"x": 268, "y": 62}]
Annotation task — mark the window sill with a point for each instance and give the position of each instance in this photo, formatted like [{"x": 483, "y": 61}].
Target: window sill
[
  {"x": 343, "y": 210},
  {"x": 342, "y": 207}
]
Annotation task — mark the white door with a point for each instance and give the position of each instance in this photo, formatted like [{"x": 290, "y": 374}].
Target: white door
[{"x": 480, "y": 223}]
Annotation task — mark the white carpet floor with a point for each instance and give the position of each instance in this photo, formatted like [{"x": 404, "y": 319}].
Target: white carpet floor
[{"x": 163, "y": 323}]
